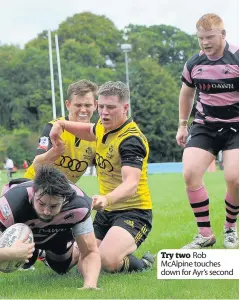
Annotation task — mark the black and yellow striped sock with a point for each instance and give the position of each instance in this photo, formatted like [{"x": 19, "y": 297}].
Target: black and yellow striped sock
[{"x": 132, "y": 264}]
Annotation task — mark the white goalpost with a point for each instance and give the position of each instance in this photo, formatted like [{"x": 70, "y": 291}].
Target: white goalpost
[{"x": 52, "y": 75}]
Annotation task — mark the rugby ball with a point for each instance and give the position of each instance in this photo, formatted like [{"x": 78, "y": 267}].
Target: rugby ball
[{"x": 13, "y": 233}]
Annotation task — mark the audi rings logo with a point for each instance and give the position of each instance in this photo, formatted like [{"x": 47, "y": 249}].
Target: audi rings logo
[
  {"x": 103, "y": 163},
  {"x": 74, "y": 165}
]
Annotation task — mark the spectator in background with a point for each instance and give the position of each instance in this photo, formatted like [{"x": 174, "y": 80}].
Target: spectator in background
[
  {"x": 25, "y": 164},
  {"x": 9, "y": 167}
]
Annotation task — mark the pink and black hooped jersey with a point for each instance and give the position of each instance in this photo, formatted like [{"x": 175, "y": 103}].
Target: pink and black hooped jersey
[
  {"x": 16, "y": 207},
  {"x": 217, "y": 86}
]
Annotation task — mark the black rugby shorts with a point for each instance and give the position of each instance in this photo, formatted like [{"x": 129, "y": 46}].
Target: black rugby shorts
[
  {"x": 213, "y": 138},
  {"x": 138, "y": 222}
]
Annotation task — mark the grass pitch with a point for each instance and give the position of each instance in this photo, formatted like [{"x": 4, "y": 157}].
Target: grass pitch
[{"x": 173, "y": 226}]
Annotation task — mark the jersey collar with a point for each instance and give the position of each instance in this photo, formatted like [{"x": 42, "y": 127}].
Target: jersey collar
[{"x": 105, "y": 136}]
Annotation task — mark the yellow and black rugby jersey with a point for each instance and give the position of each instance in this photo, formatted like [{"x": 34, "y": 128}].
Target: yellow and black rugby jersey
[
  {"x": 78, "y": 155},
  {"x": 124, "y": 146}
]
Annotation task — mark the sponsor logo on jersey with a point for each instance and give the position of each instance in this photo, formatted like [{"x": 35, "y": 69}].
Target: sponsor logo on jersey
[
  {"x": 204, "y": 87},
  {"x": 110, "y": 152},
  {"x": 69, "y": 216},
  {"x": 89, "y": 153},
  {"x": 4, "y": 212},
  {"x": 222, "y": 85},
  {"x": 43, "y": 143},
  {"x": 74, "y": 165},
  {"x": 51, "y": 230},
  {"x": 227, "y": 70},
  {"x": 103, "y": 163},
  {"x": 199, "y": 71},
  {"x": 212, "y": 86},
  {"x": 89, "y": 150}
]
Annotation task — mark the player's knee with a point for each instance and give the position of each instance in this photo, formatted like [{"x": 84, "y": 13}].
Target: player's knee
[
  {"x": 60, "y": 267},
  {"x": 110, "y": 263},
  {"x": 232, "y": 181},
  {"x": 192, "y": 179}
]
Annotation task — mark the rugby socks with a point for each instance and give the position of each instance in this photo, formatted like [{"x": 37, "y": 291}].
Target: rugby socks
[
  {"x": 199, "y": 202},
  {"x": 232, "y": 212},
  {"x": 133, "y": 264}
]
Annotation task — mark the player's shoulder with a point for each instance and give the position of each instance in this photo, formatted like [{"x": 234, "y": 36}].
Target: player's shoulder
[
  {"x": 19, "y": 184},
  {"x": 232, "y": 48},
  {"x": 19, "y": 197},
  {"x": 131, "y": 130},
  {"x": 55, "y": 120},
  {"x": 196, "y": 59},
  {"x": 78, "y": 207},
  {"x": 232, "y": 53},
  {"x": 80, "y": 199}
]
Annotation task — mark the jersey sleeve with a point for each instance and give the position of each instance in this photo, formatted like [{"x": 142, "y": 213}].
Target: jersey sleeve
[
  {"x": 6, "y": 212},
  {"x": 132, "y": 152},
  {"x": 44, "y": 143},
  {"x": 186, "y": 76},
  {"x": 14, "y": 205},
  {"x": 83, "y": 227}
]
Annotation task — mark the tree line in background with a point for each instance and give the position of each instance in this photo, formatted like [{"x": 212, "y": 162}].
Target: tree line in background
[{"x": 90, "y": 48}]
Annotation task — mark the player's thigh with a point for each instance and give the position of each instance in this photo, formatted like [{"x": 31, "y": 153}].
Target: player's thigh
[
  {"x": 231, "y": 165},
  {"x": 196, "y": 161},
  {"x": 130, "y": 228},
  {"x": 117, "y": 243},
  {"x": 200, "y": 150}
]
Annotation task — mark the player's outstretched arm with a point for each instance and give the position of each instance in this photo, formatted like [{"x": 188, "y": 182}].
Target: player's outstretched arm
[
  {"x": 82, "y": 130},
  {"x": 90, "y": 264},
  {"x": 124, "y": 191},
  {"x": 48, "y": 157},
  {"x": 18, "y": 251}
]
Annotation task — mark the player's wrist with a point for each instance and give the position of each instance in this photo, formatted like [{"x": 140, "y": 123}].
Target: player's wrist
[
  {"x": 109, "y": 200},
  {"x": 183, "y": 123},
  {"x": 62, "y": 124}
]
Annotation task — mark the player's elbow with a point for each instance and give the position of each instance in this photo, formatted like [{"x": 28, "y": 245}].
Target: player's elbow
[{"x": 133, "y": 186}]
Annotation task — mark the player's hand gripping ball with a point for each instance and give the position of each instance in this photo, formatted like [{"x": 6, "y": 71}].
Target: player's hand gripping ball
[{"x": 15, "y": 232}]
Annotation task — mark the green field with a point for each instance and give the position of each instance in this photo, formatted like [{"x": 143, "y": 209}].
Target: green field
[{"x": 173, "y": 226}]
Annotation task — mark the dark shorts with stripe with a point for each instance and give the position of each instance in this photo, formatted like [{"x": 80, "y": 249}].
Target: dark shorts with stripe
[
  {"x": 138, "y": 222},
  {"x": 213, "y": 138}
]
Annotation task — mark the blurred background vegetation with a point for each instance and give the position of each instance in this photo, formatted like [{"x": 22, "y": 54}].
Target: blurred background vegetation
[{"x": 90, "y": 47}]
